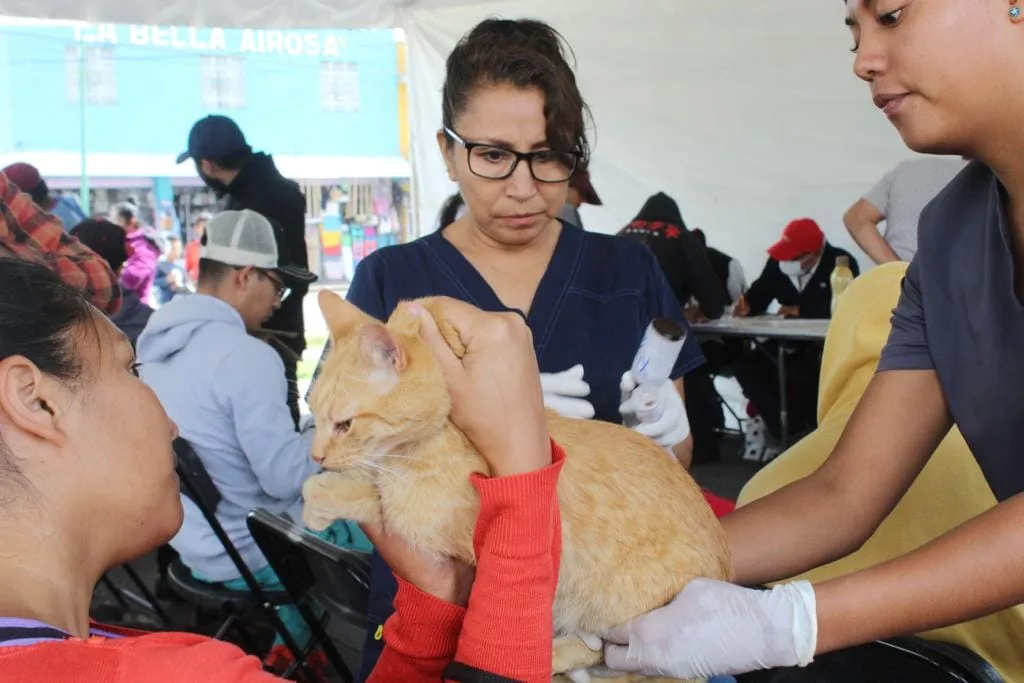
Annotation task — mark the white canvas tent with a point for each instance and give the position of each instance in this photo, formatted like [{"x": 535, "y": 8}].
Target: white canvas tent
[{"x": 748, "y": 114}]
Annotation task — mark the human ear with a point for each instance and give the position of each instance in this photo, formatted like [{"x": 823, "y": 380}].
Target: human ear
[{"x": 32, "y": 401}]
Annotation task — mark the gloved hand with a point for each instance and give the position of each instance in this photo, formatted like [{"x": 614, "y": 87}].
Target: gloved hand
[
  {"x": 565, "y": 393},
  {"x": 671, "y": 428},
  {"x": 713, "y": 628}
]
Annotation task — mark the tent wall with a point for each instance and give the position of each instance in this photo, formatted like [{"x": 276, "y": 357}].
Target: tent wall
[{"x": 749, "y": 115}]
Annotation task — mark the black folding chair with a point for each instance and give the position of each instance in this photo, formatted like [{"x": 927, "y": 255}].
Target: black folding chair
[
  {"x": 129, "y": 600},
  {"x": 314, "y": 571},
  {"x": 902, "y": 660},
  {"x": 198, "y": 487}
]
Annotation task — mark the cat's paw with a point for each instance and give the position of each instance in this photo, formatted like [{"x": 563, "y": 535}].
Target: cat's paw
[
  {"x": 572, "y": 653},
  {"x": 330, "y": 496}
]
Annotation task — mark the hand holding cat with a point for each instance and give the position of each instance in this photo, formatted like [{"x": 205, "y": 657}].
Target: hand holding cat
[
  {"x": 672, "y": 427},
  {"x": 715, "y": 628},
  {"x": 443, "y": 577},
  {"x": 565, "y": 393},
  {"x": 495, "y": 388}
]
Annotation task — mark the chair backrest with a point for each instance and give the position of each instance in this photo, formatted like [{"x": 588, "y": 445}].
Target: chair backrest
[
  {"x": 900, "y": 659},
  {"x": 338, "y": 578},
  {"x": 198, "y": 486},
  {"x": 196, "y": 483}
]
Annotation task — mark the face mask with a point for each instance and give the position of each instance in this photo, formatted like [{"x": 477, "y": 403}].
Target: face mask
[
  {"x": 791, "y": 268},
  {"x": 219, "y": 188}
]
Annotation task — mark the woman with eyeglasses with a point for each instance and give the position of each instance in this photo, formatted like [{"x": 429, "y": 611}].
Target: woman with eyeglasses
[
  {"x": 512, "y": 135},
  {"x": 946, "y": 73}
]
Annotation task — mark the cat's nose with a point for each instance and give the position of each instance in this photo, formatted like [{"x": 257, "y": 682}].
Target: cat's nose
[{"x": 318, "y": 459}]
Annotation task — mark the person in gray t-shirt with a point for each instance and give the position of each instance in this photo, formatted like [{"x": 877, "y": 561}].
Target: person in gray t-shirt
[{"x": 898, "y": 199}]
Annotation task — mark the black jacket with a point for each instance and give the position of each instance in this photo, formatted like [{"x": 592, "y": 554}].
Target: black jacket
[
  {"x": 682, "y": 257},
  {"x": 260, "y": 187},
  {"x": 815, "y": 301},
  {"x": 688, "y": 271},
  {"x": 720, "y": 261},
  {"x": 132, "y": 317}
]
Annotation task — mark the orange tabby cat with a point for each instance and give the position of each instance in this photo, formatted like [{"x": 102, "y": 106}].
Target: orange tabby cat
[{"x": 635, "y": 526}]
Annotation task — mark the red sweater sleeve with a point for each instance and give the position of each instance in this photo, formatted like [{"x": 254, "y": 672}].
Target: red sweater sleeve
[
  {"x": 420, "y": 637},
  {"x": 507, "y": 628}
]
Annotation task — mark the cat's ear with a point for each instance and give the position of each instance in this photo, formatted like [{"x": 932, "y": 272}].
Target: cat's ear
[
  {"x": 380, "y": 348},
  {"x": 342, "y": 317}
]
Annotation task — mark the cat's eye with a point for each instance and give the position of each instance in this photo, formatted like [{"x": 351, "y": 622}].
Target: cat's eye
[{"x": 342, "y": 427}]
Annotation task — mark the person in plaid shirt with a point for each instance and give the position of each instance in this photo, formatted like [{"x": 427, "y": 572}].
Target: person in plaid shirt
[{"x": 29, "y": 233}]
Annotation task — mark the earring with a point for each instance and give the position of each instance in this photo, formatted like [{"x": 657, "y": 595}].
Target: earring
[{"x": 1015, "y": 12}]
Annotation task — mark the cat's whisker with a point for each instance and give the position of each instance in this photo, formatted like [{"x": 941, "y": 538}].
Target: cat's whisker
[
  {"x": 378, "y": 468},
  {"x": 397, "y": 456}
]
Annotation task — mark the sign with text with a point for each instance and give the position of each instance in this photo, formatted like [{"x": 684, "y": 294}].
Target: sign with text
[{"x": 322, "y": 44}]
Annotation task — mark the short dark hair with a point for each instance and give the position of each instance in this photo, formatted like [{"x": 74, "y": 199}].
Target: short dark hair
[
  {"x": 40, "y": 193},
  {"x": 38, "y": 314},
  {"x": 126, "y": 211},
  {"x": 212, "y": 272},
  {"x": 105, "y": 238},
  {"x": 38, "y": 317},
  {"x": 526, "y": 54}
]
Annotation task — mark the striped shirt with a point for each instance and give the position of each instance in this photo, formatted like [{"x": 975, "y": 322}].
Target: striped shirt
[{"x": 14, "y": 631}]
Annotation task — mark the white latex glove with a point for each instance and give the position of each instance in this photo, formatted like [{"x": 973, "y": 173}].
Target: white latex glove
[
  {"x": 565, "y": 393},
  {"x": 713, "y": 628},
  {"x": 674, "y": 425}
]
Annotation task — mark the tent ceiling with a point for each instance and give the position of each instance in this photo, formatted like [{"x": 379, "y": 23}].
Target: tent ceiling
[{"x": 225, "y": 13}]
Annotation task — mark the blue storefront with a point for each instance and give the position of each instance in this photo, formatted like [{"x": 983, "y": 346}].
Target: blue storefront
[{"x": 326, "y": 104}]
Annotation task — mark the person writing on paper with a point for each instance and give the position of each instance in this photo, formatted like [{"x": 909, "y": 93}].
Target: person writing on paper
[
  {"x": 797, "y": 277},
  {"x": 796, "y": 274},
  {"x": 938, "y": 71}
]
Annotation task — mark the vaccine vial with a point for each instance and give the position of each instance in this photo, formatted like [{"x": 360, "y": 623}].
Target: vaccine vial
[{"x": 652, "y": 366}]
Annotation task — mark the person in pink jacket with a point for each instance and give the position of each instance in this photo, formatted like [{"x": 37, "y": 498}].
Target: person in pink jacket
[{"x": 143, "y": 251}]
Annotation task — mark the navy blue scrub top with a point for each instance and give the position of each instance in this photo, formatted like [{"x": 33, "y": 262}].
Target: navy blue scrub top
[
  {"x": 959, "y": 315},
  {"x": 595, "y": 301},
  {"x": 592, "y": 305}
]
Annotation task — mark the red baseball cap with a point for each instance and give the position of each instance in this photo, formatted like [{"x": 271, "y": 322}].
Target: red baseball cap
[
  {"x": 802, "y": 236},
  {"x": 25, "y": 176}
]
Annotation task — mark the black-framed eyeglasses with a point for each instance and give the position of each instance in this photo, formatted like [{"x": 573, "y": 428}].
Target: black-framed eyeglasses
[
  {"x": 498, "y": 163},
  {"x": 281, "y": 290}
]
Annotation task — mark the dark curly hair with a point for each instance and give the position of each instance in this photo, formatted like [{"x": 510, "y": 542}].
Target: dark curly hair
[{"x": 526, "y": 54}]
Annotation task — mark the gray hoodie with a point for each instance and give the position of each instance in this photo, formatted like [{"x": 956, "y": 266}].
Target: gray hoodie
[{"x": 226, "y": 391}]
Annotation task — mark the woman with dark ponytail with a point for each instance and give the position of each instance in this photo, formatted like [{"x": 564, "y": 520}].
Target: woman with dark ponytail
[
  {"x": 87, "y": 482},
  {"x": 454, "y": 207},
  {"x": 513, "y": 133}
]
